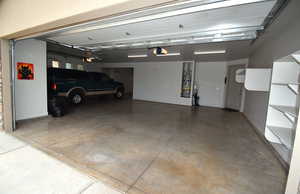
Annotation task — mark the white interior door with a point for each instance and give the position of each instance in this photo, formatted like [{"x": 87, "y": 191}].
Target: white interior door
[{"x": 234, "y": 90}]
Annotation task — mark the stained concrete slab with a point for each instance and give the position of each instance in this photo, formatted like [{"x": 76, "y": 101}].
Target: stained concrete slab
[
  {"x": 134, "y": 190},
  {"x": 145, "y": 147}
]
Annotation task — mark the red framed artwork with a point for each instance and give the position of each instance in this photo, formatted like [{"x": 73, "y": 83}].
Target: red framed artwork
[{"x": 25, "y": 71}]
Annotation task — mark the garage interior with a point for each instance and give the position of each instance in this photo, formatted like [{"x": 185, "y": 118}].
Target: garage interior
[{"x": 155, "y": 139}]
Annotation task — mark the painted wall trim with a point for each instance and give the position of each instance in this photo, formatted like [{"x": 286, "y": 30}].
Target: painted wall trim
[{"x": 6, "y": 85}]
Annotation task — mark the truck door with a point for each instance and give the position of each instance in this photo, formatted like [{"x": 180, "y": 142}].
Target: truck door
[{"x": 101, "y": 82}]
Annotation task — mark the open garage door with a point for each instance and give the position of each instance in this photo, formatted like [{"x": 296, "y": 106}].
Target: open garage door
[{"x": 153, "y": 142}]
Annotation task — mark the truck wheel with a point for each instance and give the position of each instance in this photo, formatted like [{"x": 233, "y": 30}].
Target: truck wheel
[
  {"x": 76, "y": 97},
  {"x": 56, "y": 107},
  {"x": 120, "y": 93}
]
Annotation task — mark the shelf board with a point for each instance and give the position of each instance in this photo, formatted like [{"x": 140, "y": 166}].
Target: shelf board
[
  {"x": 296, "y": 57},
  {"x": 285, "y": 84},
  {"x": 288, "y": 58},
  {"x": 294, "y": 87},
  {"x": 286, "y": 109},
  {"x": 285, "y": 135}
]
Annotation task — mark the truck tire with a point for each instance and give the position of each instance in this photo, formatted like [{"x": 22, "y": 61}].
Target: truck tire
[
  {"x": 76, "y": 97},
  {"x": 57, "y": 107},
  {"x": 119, "y": 93}
]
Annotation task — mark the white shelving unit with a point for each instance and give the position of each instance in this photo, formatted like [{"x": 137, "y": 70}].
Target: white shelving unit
[{"x": 283, "y": 105}]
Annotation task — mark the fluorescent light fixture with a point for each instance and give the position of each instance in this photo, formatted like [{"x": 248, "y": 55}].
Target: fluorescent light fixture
[
  {"x": 218, "y": 40},
  {"x": 233, "y": 35},
  {"x": 168, "y": 54},
  {"x": 203, "y": 7},
  {"x": 105, "y": 47},
  {"x": 79, "y": 48},
  {"x": 137, "y": 44},
  {"x": 203, "y": 38},
  {"x": 120, "y": 45},
  {"x": 157, "y": 42},
  {"x": 218, "y": 36},
  {"x": 178, "y": 40},
  {"x": 137, "y": 56},
  {"x": 66, "y": 45},
  {"x": 209, "y": 52}
]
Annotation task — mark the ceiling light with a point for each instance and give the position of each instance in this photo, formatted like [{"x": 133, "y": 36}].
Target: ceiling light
[
  {"x": 203, "y": 7},
  {"x": 137, "y": 44},
  {"x": 79, "y": 48},
  {"x": 156, "y": 42},
  {"x": 137, "y": 56},
  {"x": 120, "y": 45},
  {"x": 209, "y": 52},
  {"x": 178, "y": 40},
  {"x": 168, "y": 54},
  {"x": 66, "y": 45},
  {"x": 218, "y": 40},
  {"x": 203, "y": 38},
  {"x": 218, "y": 36},
  {"x": 104, "y": 47},
  {"x": 233, "y": 35}
]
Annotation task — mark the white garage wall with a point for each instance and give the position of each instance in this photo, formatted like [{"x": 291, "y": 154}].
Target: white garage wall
[
  {"x": 209, "y": 78},
  {"x": 161, "y": 81},
  {"x": 153, "y": 81},
  {"x": 31, "y": 95}
]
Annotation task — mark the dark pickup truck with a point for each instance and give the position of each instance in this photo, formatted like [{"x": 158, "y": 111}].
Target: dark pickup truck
[{"x": 75, "y": 85}]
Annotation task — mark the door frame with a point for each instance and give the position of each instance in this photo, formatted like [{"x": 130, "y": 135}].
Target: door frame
[
  {"x": 8, "y": 109},
  {"x": 226, "y": 87}
]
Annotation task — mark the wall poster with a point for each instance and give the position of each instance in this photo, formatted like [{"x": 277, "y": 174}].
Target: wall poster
[
  {"x": 186, "y": 84},
  {"x": 25, "y": 71}
]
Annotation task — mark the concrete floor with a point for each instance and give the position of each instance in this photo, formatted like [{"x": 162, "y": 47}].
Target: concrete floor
[{"x": 145, "y": 147}]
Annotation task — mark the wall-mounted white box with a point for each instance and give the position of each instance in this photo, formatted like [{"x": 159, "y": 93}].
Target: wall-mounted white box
[{"x": 258, "y": 79}]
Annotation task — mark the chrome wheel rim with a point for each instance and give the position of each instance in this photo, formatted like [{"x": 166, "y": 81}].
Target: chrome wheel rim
[
  {"x": 77, "y": 99},
  {"x": 119, "y": 94}
]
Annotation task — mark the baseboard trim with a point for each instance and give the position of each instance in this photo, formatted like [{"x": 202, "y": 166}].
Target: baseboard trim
[
  {"x": 34, "y": 117},
  {"x": 30, "y": 119}
]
